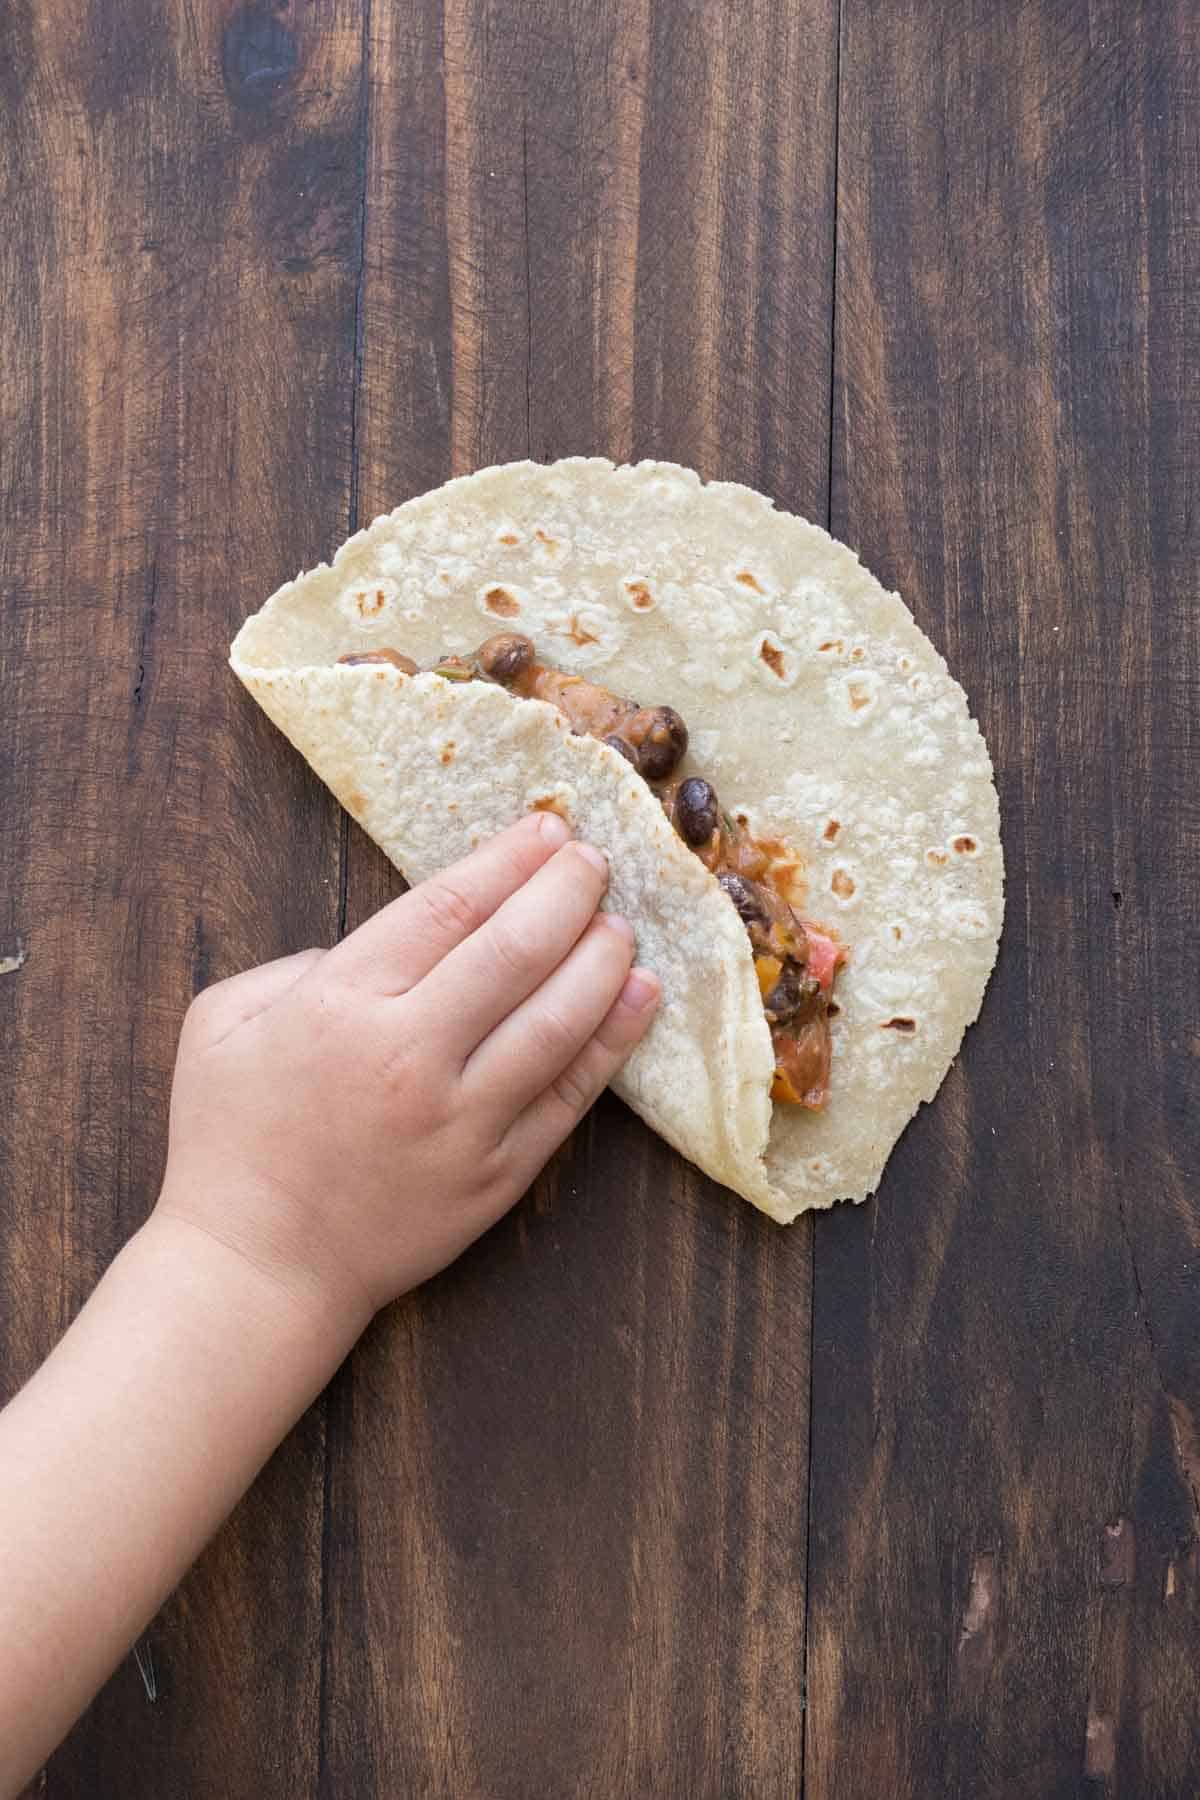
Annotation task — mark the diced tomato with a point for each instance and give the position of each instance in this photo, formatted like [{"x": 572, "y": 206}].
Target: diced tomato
[
  {"x": 825, "y": 957},
  {"x": 802, "y": 1058}
]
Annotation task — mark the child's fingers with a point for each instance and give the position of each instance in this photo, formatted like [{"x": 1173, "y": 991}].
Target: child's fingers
[
  {"x": 545, "y": 1034},
  {"x": 398, "y": 947},
  {"x": 541, "y": 1128},
  {"x": 225, "y": 1005},
  {"x": 502, "y": 963}
]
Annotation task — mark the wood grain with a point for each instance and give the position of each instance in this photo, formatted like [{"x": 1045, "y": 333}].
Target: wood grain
[
  {"x": 268, "y": 269},
  {"x": 567, "y": 1510},
  {"x": 1004, "y": 1593},
  {"x": 177, "y": 280}
]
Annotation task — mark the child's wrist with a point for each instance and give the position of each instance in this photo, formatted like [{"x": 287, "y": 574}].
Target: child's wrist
[{"x": 242, "y": 1268}]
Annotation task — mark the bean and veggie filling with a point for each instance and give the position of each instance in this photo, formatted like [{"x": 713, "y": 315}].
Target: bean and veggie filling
[{"x": 796, "y": 962}]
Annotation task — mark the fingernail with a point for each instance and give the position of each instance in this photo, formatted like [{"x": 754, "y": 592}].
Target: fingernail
[
  {"x": 619, "y": 923},
  {"x": 641, "y": 990},
  {"x": 596, "y": 857},
  {"x": 552, "y": 827}
]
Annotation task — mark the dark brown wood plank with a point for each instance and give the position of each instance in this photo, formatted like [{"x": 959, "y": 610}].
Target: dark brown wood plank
[
  {"x": 1004, "y": 1572},
  {"x": 567, "y": 1508},
  {"x": 177, "y": 279}
]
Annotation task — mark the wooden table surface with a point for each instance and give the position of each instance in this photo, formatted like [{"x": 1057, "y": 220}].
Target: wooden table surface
[{"x": 646, "y": 1496}]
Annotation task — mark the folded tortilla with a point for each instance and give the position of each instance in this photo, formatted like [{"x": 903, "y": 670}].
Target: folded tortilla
[{"x": 815, "y": 705}]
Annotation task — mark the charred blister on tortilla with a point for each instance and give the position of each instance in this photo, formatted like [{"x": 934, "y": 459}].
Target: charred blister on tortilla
[{"x": 795, "y": 962}]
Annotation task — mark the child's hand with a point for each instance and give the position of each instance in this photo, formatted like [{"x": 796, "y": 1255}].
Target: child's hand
[
  {"x": 342, "y": 1124},
  {"x": 349, "y": 1120}
]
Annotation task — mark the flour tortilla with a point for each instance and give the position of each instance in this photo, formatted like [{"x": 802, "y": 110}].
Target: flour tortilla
[{"x": 815, "y": 706}]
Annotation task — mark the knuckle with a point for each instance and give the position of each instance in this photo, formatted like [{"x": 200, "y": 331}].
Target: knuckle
[
  {"x": 200, "y": 1008},
  {"x": 327, "y": 1003},
  {"x": 518, "y": 861},
  {"x": 511, "y": 946},
  {"x": 333, "y": 1027},
  {"x": 493, "y": 1171},
  {"x": 206, "y": 1009},
  {"x": 576, "y": 1087},
  {"x": 613, "y": 1041},
  {"x": 426, "y": 1115},
  {"x": 428, "y": 1103},
  {"x": 450, "y": 907},
  {"x": 553, "y": 1036}
]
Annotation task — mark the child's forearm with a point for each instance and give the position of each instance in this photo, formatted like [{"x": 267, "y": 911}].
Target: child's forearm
[{"x": 126, "y": 1451}]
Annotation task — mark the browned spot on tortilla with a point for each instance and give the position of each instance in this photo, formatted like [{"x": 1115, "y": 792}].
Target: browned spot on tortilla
[
  {"x": 498, "y": 600},
  {"x": 857, "y": 654},
  {"x": 831, "y": 830},
  {"x": 936, "y": 858},
  {"x": 543, "y": 537},
  {"x": 832, "y": 644},
  {"x": 897, "y": 933},
  {"x": 578, "y": 633},
  {"x": 447, "y": 755},
  {"x": 640, "y": 595},
  {"x": 833, "y": 1009},
  {"x": 966, "y": 846},
  {"x": 355, "y": 802},
  {"x": 550, "y": 803},
  {"x": 369, "y": 604},
  {"x": 905, "y": 1026},
  {"x": 842, "y": 884},
  {"x": 741, "y": 818},
  {"x": 509, "y": 537},
  {"x": 748, "y": 580},
  {"x": 860, "y": 696},
  {"x": 773, "y": 658}
]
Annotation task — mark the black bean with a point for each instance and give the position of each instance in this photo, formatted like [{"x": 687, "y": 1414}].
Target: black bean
[
  {"x": 748, "y": 897},
  {"x": 662, "y": 738},
  {"x": 696, "y": 811},
  {"x": 793, "y": 990},
  {"x": 622, "y": 748},
  {"x": 505, "y": 656},
  {"x": 783, "y": 999}
]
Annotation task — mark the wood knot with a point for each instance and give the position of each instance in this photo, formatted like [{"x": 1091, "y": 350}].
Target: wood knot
[
  {"x": 977, "y": 1627},
  {"x": 1118, "y": 1555},
  {"x": 259, "y": 53}
]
